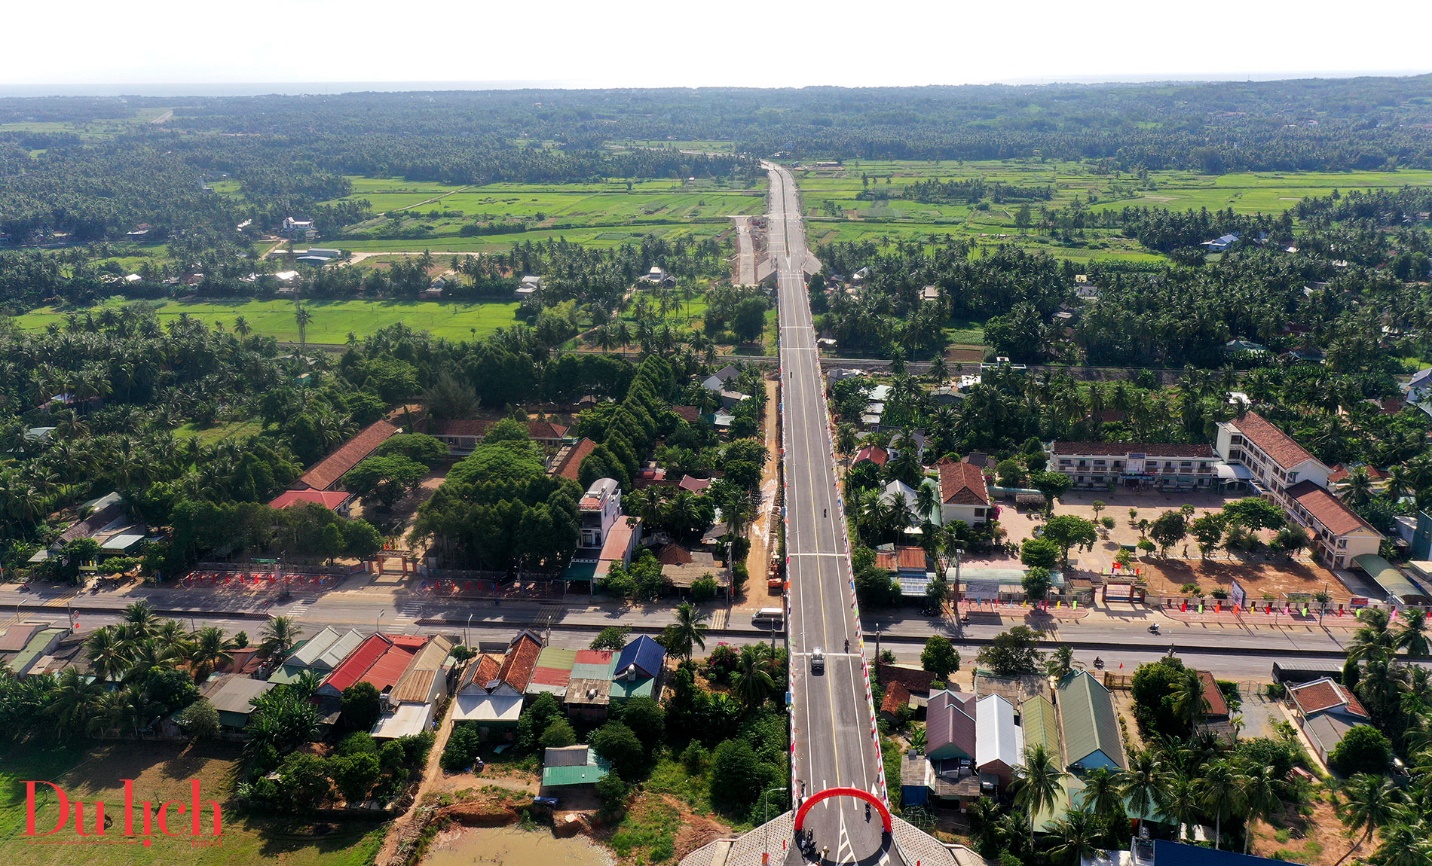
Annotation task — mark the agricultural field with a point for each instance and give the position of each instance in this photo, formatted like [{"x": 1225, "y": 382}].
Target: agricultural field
[
  {"x": 161, "y": 771},
  {"x": 87, "y": 129},
  {"x": 332, "y": 320},
  {"x": 430, "y": 215},
  {"x": 835, "y": 214}
]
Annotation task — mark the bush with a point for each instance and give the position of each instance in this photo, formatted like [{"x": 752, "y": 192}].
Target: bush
[
  {"x": 1364, "y": 749},
  {"x": 357, "y": 743},
  {"x": 704, "y": 589},
  {"x": 721, "y": 663},
  {"x": 416, "y": 747},
  {"x": 558, "y": 735},
  {"x": 735, "y": 777},
  {"x": 739, "y": 577},
  {"x": 355, "y": 775},
  {"x": 616, "y": 743},
  {"x": 646, "y": 719},
  {"x": 200, "y": 719},
  {"x": 534, "y": 721},
  {"x": 613, "y": 793},
  {"x": 694, "y": 758},
  {"x": 462, "y": 746},
  {"x": 361, "y": 707}
]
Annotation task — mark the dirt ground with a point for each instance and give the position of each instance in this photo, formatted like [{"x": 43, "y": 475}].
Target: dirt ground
[
  {"x": 1166, "y": 576},
  {"x": 763, "y": 528},
  {"x": 1316, "y": 840}
]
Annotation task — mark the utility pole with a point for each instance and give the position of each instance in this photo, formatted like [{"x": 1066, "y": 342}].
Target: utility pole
[{"x": 877, "y": 646}]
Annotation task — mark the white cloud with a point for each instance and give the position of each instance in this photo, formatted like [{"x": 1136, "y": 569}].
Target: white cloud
[{"x": 650, "y": 43}]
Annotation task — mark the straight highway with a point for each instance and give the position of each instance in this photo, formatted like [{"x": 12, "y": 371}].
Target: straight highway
[{"x": 831, "y": 715}]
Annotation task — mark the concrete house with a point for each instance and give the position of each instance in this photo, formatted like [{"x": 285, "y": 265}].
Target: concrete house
[
  {"x": 964, "y": 495},
  {"x": 1326, "y": 711},
  {"x": 1339, "y": 534},
  {"x": 1098, "y": 464},
  {"x": 409, "y": 707},
  {"x": 1274, "y": 461}
]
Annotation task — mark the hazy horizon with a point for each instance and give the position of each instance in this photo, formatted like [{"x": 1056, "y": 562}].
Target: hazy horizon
[{"x": 298, "y": 88}]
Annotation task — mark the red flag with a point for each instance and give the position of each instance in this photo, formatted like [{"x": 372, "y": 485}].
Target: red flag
[{"x": 1121, "y": 665}]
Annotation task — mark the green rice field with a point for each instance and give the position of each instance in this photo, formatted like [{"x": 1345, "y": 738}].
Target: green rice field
[
  {"x": 835, "y": 213},
  {"x": 332, "y": 320}
]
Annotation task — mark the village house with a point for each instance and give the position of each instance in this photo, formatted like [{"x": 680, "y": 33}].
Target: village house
[
  {"x": 326, "y": 473},
  {"x": 964, "y": 494},
  {"x": 1326, "y": 711},
  {"x": 491, "y": 693},
  {"x": 1089, "y": 725}
]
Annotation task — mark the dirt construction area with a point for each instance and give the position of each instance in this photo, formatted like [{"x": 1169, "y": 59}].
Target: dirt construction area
[{"x": 1167, "y": 577}]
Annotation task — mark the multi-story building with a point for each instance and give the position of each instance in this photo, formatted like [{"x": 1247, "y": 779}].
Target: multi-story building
[
  {"x": 1339, "y": 535},
  {"x": 600, "y": 508},
  {"x": 1274, "y": 460},
  {"x": 1099, "y": 464}
]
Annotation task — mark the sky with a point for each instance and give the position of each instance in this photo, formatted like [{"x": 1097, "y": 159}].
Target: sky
[{"x": 100, "y": 45}]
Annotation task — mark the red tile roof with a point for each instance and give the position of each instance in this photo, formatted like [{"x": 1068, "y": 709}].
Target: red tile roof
[
  {"x": 1327, "y": 509},
  {"x": 330, "y": 499},
  {"x": 351, "y": 669},
  {"x": 537, "y": 430},
  {"x": 330, "y": 469},
  {"x": 1322, "y": 695},
  {"x": 962, "y": 484},
  {"x": 1275, "y": 443},
  {"x": 897, "y": 697},
  {"x": 1217, "y": 705},
  {"x": 1120, "y": 449},
  {"x": 692, "y": 484},
  {"x": 901, "y": 558},
  {"x": 874, "y": 453},
  {"x": 689, "y": 414},
  {"x": 674, "y": 554},
  {"x": 571, "y": 461},
  {"x": 913, "y": 679},
  {"x": 481, "y": 672},
  {"x": 521, "y": 660},
  {"x": 1340, "y": 473}
]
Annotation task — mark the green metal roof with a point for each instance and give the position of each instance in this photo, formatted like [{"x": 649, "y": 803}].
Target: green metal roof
[
  {"x": 35, "y": 648},
  {"x": 591, "y": 671},
  {"x": 1392, "y": 580},
  {"x": 559, "y": 659},
  {"x": 622, "y": 688},
  {"x": 1041, "y": 725},
  {"x": 583, "y": 571},
  {"x": 583, "y": 774},
  {"x": 1090, "y": 724}
]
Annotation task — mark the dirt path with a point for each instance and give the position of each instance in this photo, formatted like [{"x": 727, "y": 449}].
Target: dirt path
[
  {"x": 388, "y": 853},
  {"x": 762, "y": 529}
]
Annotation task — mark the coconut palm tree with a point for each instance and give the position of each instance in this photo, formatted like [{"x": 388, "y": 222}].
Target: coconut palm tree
[
  {"x": 1076, "y": 834},
  {"x": 142, "y": 616},
  {"x": 688, "y": 632},
  {"x": 1189, "y": 704},
  {"x": 1262, "y": 798},
  {"x": 109, "y": 652},
  {"x": 208, "y": 649},
  {"x": 1037, "y": 783},
  {"x": 1181, "y": 802},
  {"x": 1373, "y": 640},
  {"x": 301, "y": 317},
  {"x": 279, "y": 636},
  {"x": 72, "y": 701},
  {"x": 1370, "y": 803},
  {"x": 752, "y": 683},
  {"x": 1220, "y": 794},
  {"x": 1102, "y": 797},
  {"x": 1144, "y": 785},
  {"x": 1356, "y": 488},
  {"x": 1413, "y": 637}
]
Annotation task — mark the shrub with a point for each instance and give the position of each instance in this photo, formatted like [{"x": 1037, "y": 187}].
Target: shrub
[
  {"x": 462, "y": 746},
  {"x": 721, "y": 663},
  {"x": 616, "y": 743},
  {"x": 558, "y": 735},
  {"x": 613, "y": 793},
  {"x": 694, "y": 758},
  {"x": 1364, "y": 749},
  {"x": 704, "y": 589},
  {"x": 361, "y": 706},
  {"x": 200, "y": 719}
]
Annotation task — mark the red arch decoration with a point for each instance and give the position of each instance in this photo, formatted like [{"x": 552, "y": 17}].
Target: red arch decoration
[{"x": 858, "y": 793}]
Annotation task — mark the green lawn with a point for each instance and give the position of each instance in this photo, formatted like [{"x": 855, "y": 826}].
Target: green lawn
[
  {"x": 220, "y": 432},
  {"x": 161, "y": 771},
  {"x": 332, "y": 320}
]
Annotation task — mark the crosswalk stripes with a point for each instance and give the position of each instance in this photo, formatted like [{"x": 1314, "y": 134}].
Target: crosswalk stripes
[
  {"x": 300, "y": 607},
  {"x": 720, "y": 618},
  {"x": 407, "y": 614}
]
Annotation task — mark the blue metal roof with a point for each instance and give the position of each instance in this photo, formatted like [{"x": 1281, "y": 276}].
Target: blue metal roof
[
  {"x": 1176, "y": 854},
  {"x": 645, "y": 653}
]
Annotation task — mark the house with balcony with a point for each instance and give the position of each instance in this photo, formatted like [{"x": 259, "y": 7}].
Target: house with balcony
[
  {"x": 1096, "y": 465},
  {"x": 1339, "y": 535},
  {"x": 1272, "y": 460},
  {"x": 599, "y": 508}
]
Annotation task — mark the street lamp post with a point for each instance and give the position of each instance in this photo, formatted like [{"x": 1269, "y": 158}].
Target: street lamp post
[
  {"x": 465, "y": 639},
  {"x": 377, "y": 622}
]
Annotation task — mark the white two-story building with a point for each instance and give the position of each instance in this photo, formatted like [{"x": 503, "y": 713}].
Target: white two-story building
[
  {"x": 1272, "y": 458},
  {"x": 1099, "y": 464}
]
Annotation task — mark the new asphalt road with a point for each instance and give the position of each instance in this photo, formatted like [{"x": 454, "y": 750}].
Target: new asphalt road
[{"x": 832, "y": 717}]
